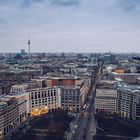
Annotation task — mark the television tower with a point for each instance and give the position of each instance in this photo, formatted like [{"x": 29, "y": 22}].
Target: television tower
[{"x": 29, "y": 43}]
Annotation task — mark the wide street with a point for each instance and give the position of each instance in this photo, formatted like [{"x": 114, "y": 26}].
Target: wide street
[{"x": 85, "y": 125}]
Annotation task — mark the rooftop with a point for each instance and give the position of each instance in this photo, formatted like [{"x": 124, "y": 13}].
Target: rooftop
[{"x": 132, "y": 88}]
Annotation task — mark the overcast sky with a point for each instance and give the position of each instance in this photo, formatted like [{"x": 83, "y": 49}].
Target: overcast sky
[{"x": 70, "y": 25}]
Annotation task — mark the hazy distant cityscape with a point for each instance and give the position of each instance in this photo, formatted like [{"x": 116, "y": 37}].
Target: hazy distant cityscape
[{"x": 91, "y": 92}]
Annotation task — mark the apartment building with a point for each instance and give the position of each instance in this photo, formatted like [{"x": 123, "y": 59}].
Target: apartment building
[
  {"x": 22, "y": 105},
  {"x": 129, "y": 101},
  {"x": 9, "y": 115}
]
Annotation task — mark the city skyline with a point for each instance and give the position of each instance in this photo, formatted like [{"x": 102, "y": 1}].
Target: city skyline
[{"x": 70, "y": 25}]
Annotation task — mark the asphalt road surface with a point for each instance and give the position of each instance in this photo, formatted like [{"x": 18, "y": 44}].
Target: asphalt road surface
[{"x": 85, "y": 124}]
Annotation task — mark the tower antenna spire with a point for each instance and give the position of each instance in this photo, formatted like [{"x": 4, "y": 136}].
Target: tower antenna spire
[{"x": 29, "y": 43}]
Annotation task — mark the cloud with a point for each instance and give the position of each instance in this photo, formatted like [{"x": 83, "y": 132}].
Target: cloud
[
  {"x": 66, "y": 3},
  {"x": 82, "y": 25},
  {"x": 130, "y": 5}
]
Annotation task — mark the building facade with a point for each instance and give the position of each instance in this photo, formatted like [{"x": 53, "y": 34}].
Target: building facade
[
  {"x": 9, "y": 115},
  {"x": 18, "y": 87},
  {"x": 106, "y": 100},
  {"x": 109, "y": 58},
  {"x": 22, "y": 105},
  {"x": 128, "y": 101},
  {"x": 71, "y": 98},
  {"x": 42, "y": 100}
]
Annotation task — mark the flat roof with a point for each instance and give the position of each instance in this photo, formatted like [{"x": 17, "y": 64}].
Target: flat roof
[
  {"x": 15, "y": 94},
  {"x": 126, "y": 73},
  {"x": 132, "y": 88}
]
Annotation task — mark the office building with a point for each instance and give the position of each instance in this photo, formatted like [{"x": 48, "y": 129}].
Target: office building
[
  {"x": 23, "y": 52},
  {"x": 129, "y": 101},
  {"x": 42, "y": 100},
  {"x": 71, "y": 98},
  {"x": 106, "y": 96},
  {"x": 106, "y": 100},
  {"x": 109, "y": 58}
]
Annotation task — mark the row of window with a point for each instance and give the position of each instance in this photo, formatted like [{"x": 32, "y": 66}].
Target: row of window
[
  {"x": 43, "y": 101},
  {"x": 43, "y": 94},
  {"x": 46, "y": 104},
  {"x": 70, "y": 90}
]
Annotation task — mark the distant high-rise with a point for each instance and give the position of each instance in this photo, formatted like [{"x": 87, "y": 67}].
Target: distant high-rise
[
  {"x": 23, "y": 52},
  {"x": 29, "y": 43},
  {"x": 109, "y": 58}
]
